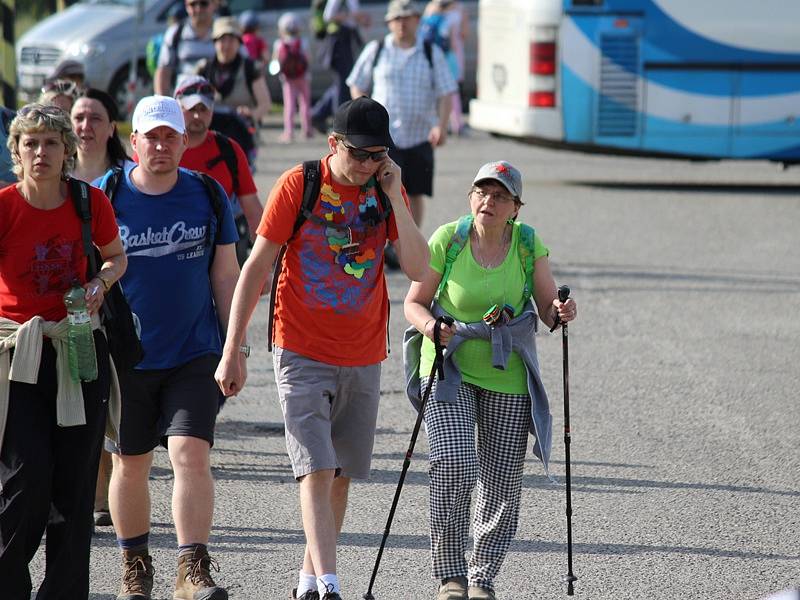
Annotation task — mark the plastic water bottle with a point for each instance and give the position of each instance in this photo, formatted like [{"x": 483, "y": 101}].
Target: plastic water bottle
[{"x": 82, "y": 357}]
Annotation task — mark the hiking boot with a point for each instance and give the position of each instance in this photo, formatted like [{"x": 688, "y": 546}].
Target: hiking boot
[
  {"x": 309, "y": 595},
  {"x": 479, "y": 593},
  {"x": 137, "y": 575},
  {"x": 453, "y": 588},
  {"x": 194, "y": 580}
]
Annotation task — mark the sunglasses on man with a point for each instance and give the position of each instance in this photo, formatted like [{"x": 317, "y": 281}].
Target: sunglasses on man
[
  {"x": 201, "y": 89},
  {"x": 362, "y": 155}
]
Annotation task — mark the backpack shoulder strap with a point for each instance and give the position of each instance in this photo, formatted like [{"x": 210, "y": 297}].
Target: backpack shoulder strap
[
  {"x": 376, "y": 58},
  {"x": 79, "y": 190},
  {"x": 525, "y": 249},
  {"x": 214, "y": 196},
  {"x": 110, "y": 183},
  {"x": 427, "y": 48},
  {"x": 312, "y": 183},
  {"x": 454, "y": 247},
  {"x": 218, "y": 208},
  {"x": 250, "y": 75},
  {"x": 177, "y": 39},
  {"x": 228, "y": 156}
]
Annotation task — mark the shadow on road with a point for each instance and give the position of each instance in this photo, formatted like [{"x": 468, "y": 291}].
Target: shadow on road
[{"x": 272, "y": 539}]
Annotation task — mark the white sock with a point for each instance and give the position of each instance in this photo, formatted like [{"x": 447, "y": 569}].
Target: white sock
[
  {"x": 328, "y": 582},
  {"x": 305, "y": 583}
]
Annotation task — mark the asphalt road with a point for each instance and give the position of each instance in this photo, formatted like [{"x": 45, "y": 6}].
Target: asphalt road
[{"x": 684, "y": 399}]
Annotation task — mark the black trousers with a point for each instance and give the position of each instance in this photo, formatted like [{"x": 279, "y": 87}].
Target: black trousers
[{"x": 48, "y": 476}]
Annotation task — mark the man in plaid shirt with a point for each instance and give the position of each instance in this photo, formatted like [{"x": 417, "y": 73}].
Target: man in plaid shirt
[{"x": 412, "y": 80}]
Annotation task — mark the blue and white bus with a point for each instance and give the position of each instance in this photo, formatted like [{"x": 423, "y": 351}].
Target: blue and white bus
[{"x": 689, "y": 78}]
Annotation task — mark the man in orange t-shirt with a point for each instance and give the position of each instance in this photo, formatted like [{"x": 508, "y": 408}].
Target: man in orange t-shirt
[{"x": 330, "y": 320}]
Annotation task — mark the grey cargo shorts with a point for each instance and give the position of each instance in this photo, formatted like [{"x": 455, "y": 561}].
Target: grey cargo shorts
[{"x": 330, "y": 413}]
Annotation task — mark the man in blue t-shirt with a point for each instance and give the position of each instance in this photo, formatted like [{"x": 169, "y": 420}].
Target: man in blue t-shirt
[{"x": 180, "y": 281}]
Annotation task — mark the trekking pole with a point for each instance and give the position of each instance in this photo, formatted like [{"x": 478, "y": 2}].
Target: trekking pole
[
  {"x": 569, "y": 578},
  {"x": 436, "y": 371}
]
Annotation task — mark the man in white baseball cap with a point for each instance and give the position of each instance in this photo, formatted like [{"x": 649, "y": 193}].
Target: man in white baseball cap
[{"x": 181, "y": 286}]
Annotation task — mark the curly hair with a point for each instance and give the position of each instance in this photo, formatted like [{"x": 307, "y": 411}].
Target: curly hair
[{"x": 40, "y": 118}]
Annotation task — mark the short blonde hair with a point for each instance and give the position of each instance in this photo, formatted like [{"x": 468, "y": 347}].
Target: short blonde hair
[{"x": 40, "y": 118}]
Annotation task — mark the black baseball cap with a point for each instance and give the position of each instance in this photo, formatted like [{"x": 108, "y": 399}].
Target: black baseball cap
[{"x": 363, "y": 122}]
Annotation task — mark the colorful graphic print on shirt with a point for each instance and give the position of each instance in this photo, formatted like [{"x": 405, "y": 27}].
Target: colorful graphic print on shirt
[
  {"x": 53, "y": 266},
  {"x": 354, "y": 246},
  {"x": 339, "y": 261}
]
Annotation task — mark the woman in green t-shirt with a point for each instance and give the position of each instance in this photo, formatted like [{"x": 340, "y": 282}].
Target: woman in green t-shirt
[{"x": 487, "y": 289}]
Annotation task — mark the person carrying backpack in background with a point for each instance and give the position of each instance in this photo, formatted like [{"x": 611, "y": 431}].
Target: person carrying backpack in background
[
  {"x": 241, "y": 86},
  {"x": 291, "y": 53},
  {"x": 256, "y": 46},
  {"x": 185, "y": 45},
  {"x": 176, "y": 15},
  {"x": 340, "y": 44},
  {"x": 221, "y": 157},
  {"x": 445, "y": 24},
  {"x": 487, "y": 271},
  {"x": 331, "y": 311},
  {"x": 412, "y": 80}
]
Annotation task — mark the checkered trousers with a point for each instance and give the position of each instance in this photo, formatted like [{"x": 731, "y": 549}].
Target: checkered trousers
[{"x": 458, "y": 463}]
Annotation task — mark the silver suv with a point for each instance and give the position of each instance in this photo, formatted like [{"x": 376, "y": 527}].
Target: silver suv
[{"x": 102, "y": 34}]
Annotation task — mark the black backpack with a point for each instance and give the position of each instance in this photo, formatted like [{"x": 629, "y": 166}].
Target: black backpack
[
  {"x": 311, "y": 189},
  {"x": 228, "y": 156},
  {"x": 124, "y": 344}
]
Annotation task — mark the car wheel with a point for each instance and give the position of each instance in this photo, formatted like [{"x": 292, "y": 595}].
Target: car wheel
[{"x": 119, "y": 88}]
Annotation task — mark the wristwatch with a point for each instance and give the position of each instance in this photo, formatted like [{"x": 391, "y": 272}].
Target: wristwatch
[{"x": 245, "y": 349}]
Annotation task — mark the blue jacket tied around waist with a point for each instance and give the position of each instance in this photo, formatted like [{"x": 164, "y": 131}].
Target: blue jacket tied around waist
[{"x": 517, "y": 335}]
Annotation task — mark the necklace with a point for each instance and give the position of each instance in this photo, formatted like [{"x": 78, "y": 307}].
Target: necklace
[
  {"x": 496, "y": 312},
  {"x": 497, "y": 257}
]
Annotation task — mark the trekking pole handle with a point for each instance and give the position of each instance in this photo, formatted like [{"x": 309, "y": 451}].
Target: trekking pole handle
[
  {"x": 437, "y": 344},
  {"x": 563, "y": 296}
]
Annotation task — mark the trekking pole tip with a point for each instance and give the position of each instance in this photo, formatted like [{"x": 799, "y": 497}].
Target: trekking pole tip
[
  {"x": 369, "y": 596},
  {"x": 570, "y": 580}
]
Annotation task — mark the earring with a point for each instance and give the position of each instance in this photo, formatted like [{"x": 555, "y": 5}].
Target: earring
[{"x": 510, "y": 220}]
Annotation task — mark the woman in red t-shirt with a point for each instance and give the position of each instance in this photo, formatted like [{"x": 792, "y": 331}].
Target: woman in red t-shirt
[{"x": 51, "y": 437}]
